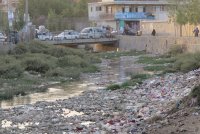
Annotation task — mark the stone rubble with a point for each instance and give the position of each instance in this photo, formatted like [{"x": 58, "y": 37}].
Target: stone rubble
[{"x": 101, "y": 111}]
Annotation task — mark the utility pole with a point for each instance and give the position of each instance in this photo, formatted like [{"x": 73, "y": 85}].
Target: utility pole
[
  {"x": 26, "y": 12},
  {"x": 26, "y": 22}
]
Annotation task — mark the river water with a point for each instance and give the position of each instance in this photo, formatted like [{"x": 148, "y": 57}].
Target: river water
[{"x": 112, "y": 71}]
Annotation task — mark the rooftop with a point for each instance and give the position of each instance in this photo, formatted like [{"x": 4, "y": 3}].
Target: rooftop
[{"x": 132, "y": 2}]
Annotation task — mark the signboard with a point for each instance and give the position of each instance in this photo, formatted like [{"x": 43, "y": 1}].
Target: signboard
[
  {"x": 10, "y": 15},
  {"x": 133, "y": 15},
  {"x": 10, "y": 18}
]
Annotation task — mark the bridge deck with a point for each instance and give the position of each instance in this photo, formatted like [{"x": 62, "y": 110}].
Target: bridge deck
[{"x": 83, "y": 41}]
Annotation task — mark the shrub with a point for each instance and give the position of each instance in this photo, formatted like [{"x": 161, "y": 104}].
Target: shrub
[
  {"x": 140, "y": 76},
  {"x": 196, "y": 93},
  {"x": 57, "y": 52},
  {"x": 56, "y": 72},
  {"x": 187, "y": 62},
  {"x": 92, "y": 59},
  {"x": 128, "y": 84},
  {"x": 72, "y": 72},
  {"x": 11, "y": 70},
  {"x": 19, "y": 49},
  {"x": 176, "y": 49},
  {"x": 69, "y": 72},
  {"x": 6, "y": 94},
  {"x": 113, "y": 87},
  {"x": 38, "y": 47},
  {"x": 155, "y": 60},
  {"x": 7, "y": 59},
  {"x": 36, "y": 64},
  {"x": 90, "y": 69},
  {"x": 72, "y": 60},
  {"x": 155, "y": 68}
]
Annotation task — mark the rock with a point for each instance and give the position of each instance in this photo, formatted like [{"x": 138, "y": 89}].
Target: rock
[{"x": 55, "y": 120}]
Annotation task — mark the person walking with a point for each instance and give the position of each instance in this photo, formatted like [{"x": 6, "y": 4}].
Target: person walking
[
  {"x": 196, "y": 32},
  {"x": 153, "y": 32}
]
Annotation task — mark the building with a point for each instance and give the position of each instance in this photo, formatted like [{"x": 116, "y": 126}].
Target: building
[
  {"x": 5, "y": 5},
  {"x": 134, "y": 13}
]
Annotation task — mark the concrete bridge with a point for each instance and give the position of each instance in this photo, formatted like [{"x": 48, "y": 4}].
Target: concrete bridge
[{"x": 104, "y": 41}]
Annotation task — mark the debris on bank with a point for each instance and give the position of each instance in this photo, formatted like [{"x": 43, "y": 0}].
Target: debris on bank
[{"x": 119, "y": 111}]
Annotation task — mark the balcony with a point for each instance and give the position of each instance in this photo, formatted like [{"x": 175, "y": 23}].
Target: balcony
[
  {"x": 134, "y": 16},
  {"x": 107, "y": 16}
]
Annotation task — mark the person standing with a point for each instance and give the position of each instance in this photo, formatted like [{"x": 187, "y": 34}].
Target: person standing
[
  {"x": 153, "y": 32},
  {"x": 196, "y": 32}
]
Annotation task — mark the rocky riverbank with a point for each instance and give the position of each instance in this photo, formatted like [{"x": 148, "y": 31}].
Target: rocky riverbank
[{"x": 102, "y": 111}]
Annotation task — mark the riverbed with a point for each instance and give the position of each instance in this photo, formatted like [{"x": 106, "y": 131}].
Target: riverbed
[
  {"x": 112, "y": 71},
  {"x": 93, "y": 110}
]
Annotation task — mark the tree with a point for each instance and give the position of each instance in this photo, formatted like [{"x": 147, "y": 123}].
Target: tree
[
  {"x": 184, "y": 12},
  {"x": 60, "y": 9}
]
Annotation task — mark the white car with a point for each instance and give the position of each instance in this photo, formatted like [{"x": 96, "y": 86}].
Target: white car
[
  {"x": 67, "y": 35},
  {"x": 92, "y": 32},
  {"x": 45, "y": 36},
  {"x": 2, "y": 37}
]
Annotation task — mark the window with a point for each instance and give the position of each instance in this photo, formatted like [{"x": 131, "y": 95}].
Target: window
[
  {"x": 123, "y": 9},
  {"x": 154, "y": 8},
  {"x": 108, "y": 9},
  {"x": 130, "y": 9},
  {"x": 144, "y": 9},
  {"x": 98, "y": 8},
  {"x": 162, "y": 8},
  {"x": 136, "y": 9}
]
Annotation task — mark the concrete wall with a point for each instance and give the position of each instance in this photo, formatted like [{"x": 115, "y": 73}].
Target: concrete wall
[
  {"x": 166, "y": 28},
  {"x": 157, "y": 44}
]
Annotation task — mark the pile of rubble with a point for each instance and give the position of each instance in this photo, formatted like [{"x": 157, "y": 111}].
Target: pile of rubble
[{"x": 102, "y": 111}]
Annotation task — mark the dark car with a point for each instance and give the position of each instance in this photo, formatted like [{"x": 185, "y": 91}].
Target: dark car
[{"x": 13, "y": 37}]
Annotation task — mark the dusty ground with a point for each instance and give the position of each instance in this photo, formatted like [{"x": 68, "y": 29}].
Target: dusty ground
[{"x": 185, "y": 121}]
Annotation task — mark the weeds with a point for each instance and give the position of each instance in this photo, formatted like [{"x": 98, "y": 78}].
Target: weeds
[
  {"x": 155, "y": 68},
  {"x": 155, "y": 60},
  {"x": 176, "y": 50},
  {"x": 196, "y": 94},
  {"x": 187, "y": 62},
  {"x": 28, "y": 66},
  {"x": 112, "y": 55},
  {"x": 113, "y": 87},
  {"x": 135, "y": 80}
]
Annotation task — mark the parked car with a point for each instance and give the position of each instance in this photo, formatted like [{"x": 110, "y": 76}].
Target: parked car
[
  {"x": 67, "y": 35},
  {"x": 92, "y": 32},
  {"x": 45, "y": 36},
  {"x": 13, "y": 37},
  {"x": 3, "y": 38}
]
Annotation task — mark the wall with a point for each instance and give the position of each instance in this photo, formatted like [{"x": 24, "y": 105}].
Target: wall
[
  {"x": 166, "y": 28},
  {"x": 157, "y": 44}
]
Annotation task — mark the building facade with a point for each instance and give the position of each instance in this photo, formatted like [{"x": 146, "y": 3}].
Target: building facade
[{"x": 119, "y": 13}]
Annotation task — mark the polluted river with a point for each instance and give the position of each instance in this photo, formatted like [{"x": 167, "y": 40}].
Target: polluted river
[
  {"x": 112, "y": 72},
  {"x": 84, "y": 107}
]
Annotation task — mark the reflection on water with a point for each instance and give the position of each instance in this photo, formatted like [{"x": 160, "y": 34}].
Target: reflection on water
[{"x": 111, "y": 72}]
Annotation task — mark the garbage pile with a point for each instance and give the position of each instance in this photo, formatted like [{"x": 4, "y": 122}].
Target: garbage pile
[{"x": 103, "y": 111}]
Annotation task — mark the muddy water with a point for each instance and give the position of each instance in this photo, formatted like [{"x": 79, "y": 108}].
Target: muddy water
[{"x": 112, "y": 71}]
